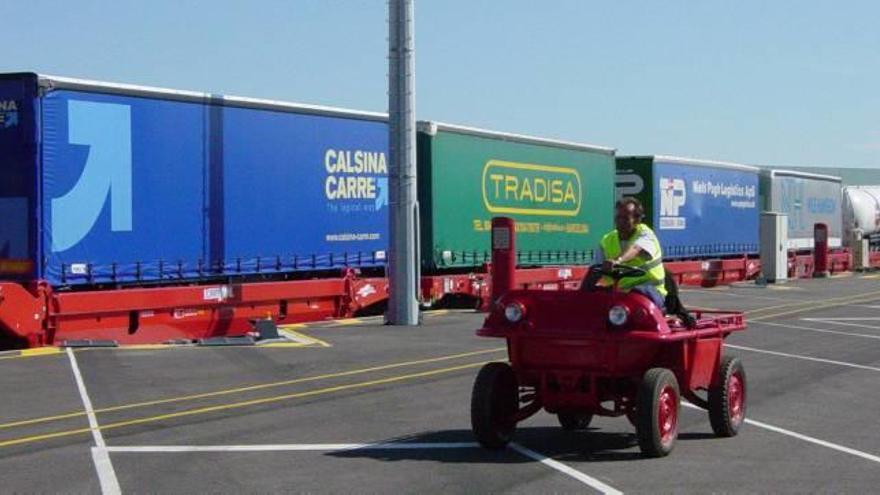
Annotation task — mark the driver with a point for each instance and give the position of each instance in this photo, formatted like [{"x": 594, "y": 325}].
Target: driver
[{"x": 634, "y": 244}]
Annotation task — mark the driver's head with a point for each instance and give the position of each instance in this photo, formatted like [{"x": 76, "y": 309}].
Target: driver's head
[{"x": 628, "y": 212}]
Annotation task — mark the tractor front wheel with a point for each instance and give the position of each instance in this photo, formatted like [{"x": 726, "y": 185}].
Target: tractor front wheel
[
  {"x": 657, "y": 408},
  {"x": 494, "y": 404}
]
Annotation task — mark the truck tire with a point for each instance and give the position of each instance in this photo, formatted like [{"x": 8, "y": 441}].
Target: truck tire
[
  {"x": 727, "y": 399},
  {"x": 658, "y": 404},
  {"x": 494, "y": 402}
]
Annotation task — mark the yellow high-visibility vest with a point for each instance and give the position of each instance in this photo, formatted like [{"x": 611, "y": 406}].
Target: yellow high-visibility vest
[{"x": 655, "y": 275}]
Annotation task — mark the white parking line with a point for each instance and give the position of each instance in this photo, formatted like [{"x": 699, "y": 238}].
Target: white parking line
[
  {"x": 103, "y": 465},
  {"x": 341, "y": 447},
  {"x": 846, "y": 323},
  {"x": 819, "y": 330},
  {"x": 728, "y": 292},
  {"x": 806, "y": 358},
  {"x": 562, "y": 468},
  {"x": 870, "y": 318},
  {"x": 801, "y": 436}
]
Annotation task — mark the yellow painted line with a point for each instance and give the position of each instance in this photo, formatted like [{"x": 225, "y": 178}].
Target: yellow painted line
[
  {"x": 362, "y": 320},
  {"x": 283, "y": 345},
  {"x": 348, "y": 321},
  {"x": 814, "y": 307},
  {"x": 45, "y": 436},
  {"x": 870, "y": 277},
  {"x": 145, "y": 347},
  {"x": 293, "y": 326},
  {"x": 35, "y": 352},
  {"x": 302, "y": 339},
  {"x": 238, "y": 405},
  {"x": 784, "y": 287},
  {"x": 40, "y": 351},
  {"x": 705, "y": 289},
  {"x": 250, "y": 388},
  {"x": 44, "y": 419},
  {"x": 813, "y": 302}
]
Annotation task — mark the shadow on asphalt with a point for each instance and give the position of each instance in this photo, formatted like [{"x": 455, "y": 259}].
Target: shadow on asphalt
[
  {"x": 590, "y": 445},
  {"x": 585, "y": 445}
]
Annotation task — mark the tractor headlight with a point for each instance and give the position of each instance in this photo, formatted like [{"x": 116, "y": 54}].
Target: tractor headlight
[
  {"x": 618, "y": 315},
  {"x": 514, "y": 312}
]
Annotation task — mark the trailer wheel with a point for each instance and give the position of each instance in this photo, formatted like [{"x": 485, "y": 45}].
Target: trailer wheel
[
  {"x": 573, "y": 421},
  {"x": 494, "y": 402},
  {"x": 727, "y": 400},
  {"x": 657, "y": 407}
]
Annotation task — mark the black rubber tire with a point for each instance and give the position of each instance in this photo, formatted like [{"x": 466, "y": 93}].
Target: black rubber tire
[
  {"x": 647, "y": 404},
  {"x": 574, "y": 421},
  {"x": 719, "y": 407},
  {"x": 494, "y": 401}
]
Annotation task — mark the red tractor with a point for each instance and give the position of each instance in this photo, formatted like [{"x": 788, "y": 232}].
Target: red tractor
[{"x": 604, "y": 352}]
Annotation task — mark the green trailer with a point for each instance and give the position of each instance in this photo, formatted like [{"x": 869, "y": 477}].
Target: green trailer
[{"x": 561, "y": 195}]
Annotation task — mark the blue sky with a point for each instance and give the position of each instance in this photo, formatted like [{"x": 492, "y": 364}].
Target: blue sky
[{"x": 783, "y": 82}]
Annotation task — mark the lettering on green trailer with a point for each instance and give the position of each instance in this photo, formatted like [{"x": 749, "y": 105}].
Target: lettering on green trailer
[{"x": 530, "y": 189}]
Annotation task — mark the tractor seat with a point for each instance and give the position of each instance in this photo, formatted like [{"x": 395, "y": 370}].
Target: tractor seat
[{"x": 674, "y": 308}]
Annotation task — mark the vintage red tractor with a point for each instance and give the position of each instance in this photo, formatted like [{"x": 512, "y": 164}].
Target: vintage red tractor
[{"x": 578, "y": 354}]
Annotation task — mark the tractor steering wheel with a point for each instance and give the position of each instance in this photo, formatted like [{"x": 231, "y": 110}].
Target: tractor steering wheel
[
  {"x": 623, "y": 271},
  {"x": 618, "y": 272}
]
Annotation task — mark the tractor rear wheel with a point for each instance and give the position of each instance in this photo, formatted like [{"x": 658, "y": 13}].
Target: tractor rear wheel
[
  {"x": 657, "y": 408},
  {"x": 727, "y": 399},
  {"x": 494, "y": 404}
]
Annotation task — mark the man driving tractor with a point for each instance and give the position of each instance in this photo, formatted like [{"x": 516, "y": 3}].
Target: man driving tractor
[{"x": 634, "y": 244}]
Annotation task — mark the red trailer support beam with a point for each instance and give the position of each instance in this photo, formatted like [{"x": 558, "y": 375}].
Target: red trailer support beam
[
  {"x": 709, "y": 273},
  {"x": 23, "y": 313},
  {"x": 151, "y": 315},
  {"x": 172, "y": 313}
]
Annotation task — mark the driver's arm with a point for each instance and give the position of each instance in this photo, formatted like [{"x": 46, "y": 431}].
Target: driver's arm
[
  {"x": 632, "y": 253},
  {"x": 643, "y": 246}
]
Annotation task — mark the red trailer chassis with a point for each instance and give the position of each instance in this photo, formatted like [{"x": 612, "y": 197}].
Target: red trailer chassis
[{"x": 36, "y": 314}]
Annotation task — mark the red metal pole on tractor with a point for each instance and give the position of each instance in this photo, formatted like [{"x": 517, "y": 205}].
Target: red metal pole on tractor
[
  {"x": 503, "y": 255},
  {"x": 820, "y": 250}
]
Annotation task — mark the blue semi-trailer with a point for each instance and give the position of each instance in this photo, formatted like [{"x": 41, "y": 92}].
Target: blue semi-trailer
[
  {"x": 698, "y": 208},
  {"x": 212, "y": 213},
  {"x": 117, "y": 184}
]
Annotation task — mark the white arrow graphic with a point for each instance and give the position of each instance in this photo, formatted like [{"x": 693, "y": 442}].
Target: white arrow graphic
[{"x": 106, "y": 129}]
